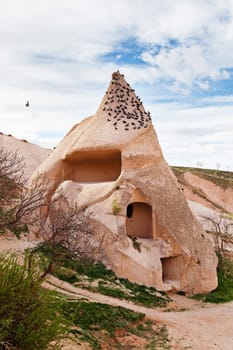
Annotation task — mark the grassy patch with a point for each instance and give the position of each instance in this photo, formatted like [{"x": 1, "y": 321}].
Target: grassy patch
[
  {"x": 139, "y": 294},
  {"x": 117, "y": 288},
  {"x": 100, "y": 324},
  {"x": 224, "y": 292},
  {"x": 97, "y": 316},
  {"x": 95, "y": 277}
]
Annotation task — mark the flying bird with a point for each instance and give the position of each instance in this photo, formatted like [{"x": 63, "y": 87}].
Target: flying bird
[{"x": 27, "y": 104}]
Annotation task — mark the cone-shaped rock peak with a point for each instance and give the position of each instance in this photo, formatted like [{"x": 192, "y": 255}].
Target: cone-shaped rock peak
[
  {"x": 122, "y": 108},
  {"x": 113, "y": 159}
]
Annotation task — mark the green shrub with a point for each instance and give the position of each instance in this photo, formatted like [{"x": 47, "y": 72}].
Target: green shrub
[
  {"x": 222, "y": 294},
  {"x": 136, "y": 244},
  {"x": 29, "y": 314},
  {"x": 115, "y": 207},
  {"x": 225, "y": 265}
]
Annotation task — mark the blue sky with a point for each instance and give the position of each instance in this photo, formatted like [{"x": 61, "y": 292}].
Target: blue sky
[{"x": 177, "y": 55}]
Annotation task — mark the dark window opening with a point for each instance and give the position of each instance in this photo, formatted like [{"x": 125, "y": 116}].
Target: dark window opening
[{"x": 129, "y": 211}]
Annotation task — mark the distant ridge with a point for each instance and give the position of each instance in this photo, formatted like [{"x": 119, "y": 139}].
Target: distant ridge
[{"x": 33, "y": 155}]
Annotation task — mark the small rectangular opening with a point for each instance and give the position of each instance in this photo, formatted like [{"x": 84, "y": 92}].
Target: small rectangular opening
[
  {"x": 172, "y": 268},
  {"x": 93, "y": 166}
]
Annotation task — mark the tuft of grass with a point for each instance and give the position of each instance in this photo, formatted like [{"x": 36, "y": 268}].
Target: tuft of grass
[
  {"x": 113, "y": 292},
  {"x": 136, "y": 244},
  {"x": 143, "y": 295},
  {"x": 67, "y": 276},
  {"x": 115, "y": 207}
]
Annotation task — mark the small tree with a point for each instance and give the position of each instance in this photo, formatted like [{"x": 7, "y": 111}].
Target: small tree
[
  {"x": 222, "y": 230},
  {"x": 17, "y": 202},
  {"x": 57, "y": 221},
  {"x": 68, "y": 227},
  {"x": 11, "y": 176}
]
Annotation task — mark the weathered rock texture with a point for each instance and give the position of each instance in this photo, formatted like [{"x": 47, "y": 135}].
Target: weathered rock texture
[
  {"x": 111, "y": 163},
  {"x": 32, "y": 154},
  {"x": 214, "y": 196}
]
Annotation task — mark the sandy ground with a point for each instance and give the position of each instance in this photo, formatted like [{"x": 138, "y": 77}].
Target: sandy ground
[
  {"x": 12, "y": 244},
  {"x": 191, "y": 324}
]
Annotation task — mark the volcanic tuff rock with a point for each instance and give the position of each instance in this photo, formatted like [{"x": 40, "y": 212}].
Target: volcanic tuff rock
[
  {"x": 32, "y": 154},
  {"x": 111, "y": 165}
]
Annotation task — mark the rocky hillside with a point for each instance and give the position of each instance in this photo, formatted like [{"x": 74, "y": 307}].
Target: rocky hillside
[
  {"x": 32, "y": 154},
  {"x": 210, "y": 188}
]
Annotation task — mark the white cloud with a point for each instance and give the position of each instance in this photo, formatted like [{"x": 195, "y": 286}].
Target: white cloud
[
  {"x": 185, "y": 65},
  {"x": 189, "y": 135}
]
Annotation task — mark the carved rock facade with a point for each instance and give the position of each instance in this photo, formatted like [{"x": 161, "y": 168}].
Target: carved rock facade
[{"x": 111, "y": 164}]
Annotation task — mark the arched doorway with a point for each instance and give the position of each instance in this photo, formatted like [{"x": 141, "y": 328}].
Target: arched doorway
[{"x": 139, "y": 220}]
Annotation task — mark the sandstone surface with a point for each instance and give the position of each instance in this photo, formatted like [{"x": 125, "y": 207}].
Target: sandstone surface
[
  {"x": 32, "y": 154},
  {"x": 112, "y": 166}
]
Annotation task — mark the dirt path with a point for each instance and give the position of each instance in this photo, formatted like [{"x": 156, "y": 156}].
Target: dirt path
[
  {"x": 204, "y": 328},
  {"x": 198, "y": 327},
  {"x": 14, "y": 244}
]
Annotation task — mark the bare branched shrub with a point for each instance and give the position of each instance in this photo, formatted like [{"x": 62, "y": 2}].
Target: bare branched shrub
[
  {"x": 52, "y": 217},
  {"x": 222, "y": 230},
  {"x": 68, "y": 227},
  {"x": 11, "y": 175},
  {"x": 65, "y": 223},
  {"x": 23, "y": 206},
  {"x": 19, "y": 205},
  {"x": 32, "y": 200}
]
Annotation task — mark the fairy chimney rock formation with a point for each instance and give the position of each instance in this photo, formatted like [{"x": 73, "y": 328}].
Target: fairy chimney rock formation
[{"x": 111, "y": 164}]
